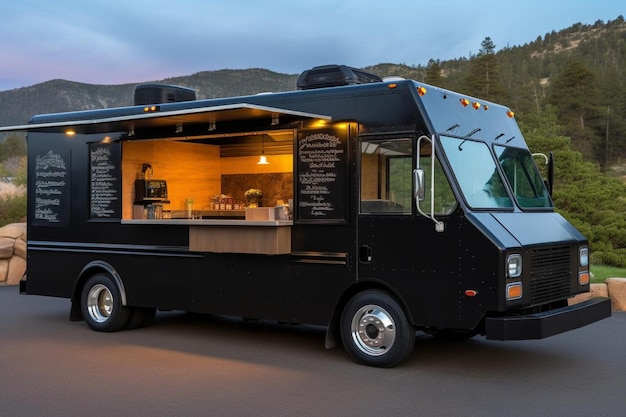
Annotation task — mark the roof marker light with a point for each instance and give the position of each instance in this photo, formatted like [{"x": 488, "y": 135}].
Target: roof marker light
[
  {"x": 70, "y": 132},
  {"x": 476, "y": 105},
  {"x": 421, "y": 91},
  {"x": 510, "y": 114},
  {"x": 464, "y": 102}
]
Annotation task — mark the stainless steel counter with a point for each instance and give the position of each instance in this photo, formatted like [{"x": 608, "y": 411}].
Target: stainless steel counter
[{"x": 210, "y": 222}]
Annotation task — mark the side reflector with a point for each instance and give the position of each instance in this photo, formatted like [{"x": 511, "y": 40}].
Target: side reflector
[
  {"x": 471, "y": 293},
  {"x": 583, "y": 278},
  {"x": 514, "y": 291}
]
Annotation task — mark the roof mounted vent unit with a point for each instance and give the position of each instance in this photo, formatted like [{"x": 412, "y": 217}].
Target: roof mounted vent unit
[
  {"x": 334, "y": 76},
  {"x": 162, "y": 93}
]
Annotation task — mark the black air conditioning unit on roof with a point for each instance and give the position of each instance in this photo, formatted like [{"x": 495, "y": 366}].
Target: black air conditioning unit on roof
[
  {"x": 162, "y": 93},
  {"x": 334, "y": 76}
]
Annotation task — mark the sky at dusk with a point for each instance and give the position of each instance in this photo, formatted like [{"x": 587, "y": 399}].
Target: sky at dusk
[{"x": 133, "y": 41}]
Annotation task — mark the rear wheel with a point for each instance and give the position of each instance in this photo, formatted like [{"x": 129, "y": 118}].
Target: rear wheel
[
  {"x": 101, "y": 304},
  {"x": 375, "y": 330}
]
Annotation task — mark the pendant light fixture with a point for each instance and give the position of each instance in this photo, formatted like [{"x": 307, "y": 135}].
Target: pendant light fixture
[{"x": 262, "y": 158}]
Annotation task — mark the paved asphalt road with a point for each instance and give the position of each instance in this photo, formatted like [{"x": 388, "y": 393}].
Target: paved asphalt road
[{"x": 190, "y": 365}]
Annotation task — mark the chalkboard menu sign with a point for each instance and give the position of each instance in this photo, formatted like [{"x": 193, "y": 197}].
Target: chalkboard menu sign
[
  {"x": 52, "y": 188},
  {"x": 105, "y": 181},
  {"x": 321, "y": 187}
]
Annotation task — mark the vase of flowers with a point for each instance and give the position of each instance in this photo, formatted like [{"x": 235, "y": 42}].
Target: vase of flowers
[{"x": 253, "y": 197}]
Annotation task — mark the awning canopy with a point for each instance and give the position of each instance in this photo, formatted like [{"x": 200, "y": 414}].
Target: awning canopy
[{"x": 81, "y": 123}]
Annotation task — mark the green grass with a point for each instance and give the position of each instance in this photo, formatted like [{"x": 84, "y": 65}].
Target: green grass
[{"x": 602, "y": 272}]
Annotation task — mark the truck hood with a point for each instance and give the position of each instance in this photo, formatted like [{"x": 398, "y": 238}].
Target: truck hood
[{"x": 525, "y": 229}]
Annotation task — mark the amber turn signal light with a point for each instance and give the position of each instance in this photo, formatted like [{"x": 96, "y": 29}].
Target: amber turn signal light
[
  {"x": 583, "y": 278},
  {"x": 514, "y": 291}
]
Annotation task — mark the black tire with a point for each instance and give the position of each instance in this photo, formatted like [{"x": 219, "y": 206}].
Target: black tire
[
  {"x": 140, "y": 317},
  {"x": 375, "y": 330},
  {"x": 101, "y": 304}
]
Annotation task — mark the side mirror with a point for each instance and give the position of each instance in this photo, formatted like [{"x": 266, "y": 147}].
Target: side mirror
[
  {"x": 418, "y": 180},
  {"x": 550, "y": 173}
]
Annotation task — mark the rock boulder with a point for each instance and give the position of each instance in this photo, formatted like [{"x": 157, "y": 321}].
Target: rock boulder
[
  {"x": 12, "y": 253},
  {"x": 617, "y": 292}
]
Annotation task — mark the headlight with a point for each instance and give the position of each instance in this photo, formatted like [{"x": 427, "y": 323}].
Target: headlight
[
  {"x": 583, "y": 256},
  {"x": 514, "y": 266}
]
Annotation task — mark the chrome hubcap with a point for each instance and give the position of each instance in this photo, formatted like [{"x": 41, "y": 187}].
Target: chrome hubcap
[
  {"x": 99, "y": 303},
  {"x": 373, "y": 330}
]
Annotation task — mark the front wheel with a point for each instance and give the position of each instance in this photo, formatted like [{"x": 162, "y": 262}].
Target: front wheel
[
  {"x": 375, "y": 331},
  {"x": 101, "y": 304}
]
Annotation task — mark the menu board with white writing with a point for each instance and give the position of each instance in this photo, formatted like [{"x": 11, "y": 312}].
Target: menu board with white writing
[
  {"x": 52, "y": 188},
  {"x": 105, "y": 181},
  {"x": 321, "y": 188}
]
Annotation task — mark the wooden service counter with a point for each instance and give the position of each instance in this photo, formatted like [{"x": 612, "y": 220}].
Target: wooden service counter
[{"x": 267, "y": 237}]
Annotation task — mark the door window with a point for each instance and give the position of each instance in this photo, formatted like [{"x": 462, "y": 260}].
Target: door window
[{"x": 386, "y": 176}]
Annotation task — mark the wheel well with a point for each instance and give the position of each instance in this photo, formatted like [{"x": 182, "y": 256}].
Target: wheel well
[
  {"x": 91, "y": 269},
  {"x": 332, "y": 331}
]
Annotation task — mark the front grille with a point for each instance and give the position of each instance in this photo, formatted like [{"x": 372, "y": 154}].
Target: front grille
[{"x": 550, "y": 274}]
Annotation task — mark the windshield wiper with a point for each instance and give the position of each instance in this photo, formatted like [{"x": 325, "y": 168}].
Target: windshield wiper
[
  {"x": 467, "y": 136},
  {"x": 472, "y": 132},
  {"x": 454, "y": 126}
]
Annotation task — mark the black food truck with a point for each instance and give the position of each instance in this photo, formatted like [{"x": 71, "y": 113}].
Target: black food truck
[{"x": 377, "y": 208}]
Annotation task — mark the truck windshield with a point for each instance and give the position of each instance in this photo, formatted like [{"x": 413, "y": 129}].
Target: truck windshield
[
  {"x": 523, "y": 177},
  {"x": 476, "y": 172},
  {"x": 481, "y": 184}
]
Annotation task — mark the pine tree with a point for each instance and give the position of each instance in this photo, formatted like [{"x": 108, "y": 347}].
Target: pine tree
[
  {"x": 575, "y": 93},
  {"x": 483, "y": 80},
  {"x": 433, "y": 73}
]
